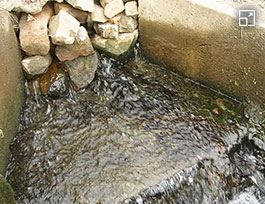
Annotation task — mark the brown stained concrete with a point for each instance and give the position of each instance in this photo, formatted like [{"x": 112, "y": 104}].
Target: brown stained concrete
[
  {"x": 205, "y": 44},
  {"x": 11, "y": 88}
]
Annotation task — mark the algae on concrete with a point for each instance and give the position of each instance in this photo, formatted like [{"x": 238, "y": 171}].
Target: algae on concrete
[
  {"x": 6, "y": 192},
  {"x": 203, "y": 42}
]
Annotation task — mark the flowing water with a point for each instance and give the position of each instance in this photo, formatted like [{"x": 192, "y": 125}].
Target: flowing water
[{"x": 138, "y": 134}]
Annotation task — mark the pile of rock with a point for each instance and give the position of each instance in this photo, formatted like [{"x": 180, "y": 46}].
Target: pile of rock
[{"x": 60, "y": 35}]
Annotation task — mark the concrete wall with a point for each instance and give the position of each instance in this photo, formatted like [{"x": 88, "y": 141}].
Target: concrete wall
[
  {"x": 202, "y": 40},
  {"x": 11, "y": 87}
]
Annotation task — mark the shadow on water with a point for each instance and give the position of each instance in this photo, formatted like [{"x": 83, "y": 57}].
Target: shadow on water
[{"x": 138, "y": 134}]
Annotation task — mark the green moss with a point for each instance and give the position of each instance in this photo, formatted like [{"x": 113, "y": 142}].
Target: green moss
[{"x": 6, "y": 192}]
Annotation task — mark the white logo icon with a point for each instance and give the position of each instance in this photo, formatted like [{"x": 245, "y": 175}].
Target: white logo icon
[{"x": 247, "y": 18}]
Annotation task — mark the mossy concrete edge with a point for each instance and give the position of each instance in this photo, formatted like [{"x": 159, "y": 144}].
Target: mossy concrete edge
[{"x": 206, "y": 44}]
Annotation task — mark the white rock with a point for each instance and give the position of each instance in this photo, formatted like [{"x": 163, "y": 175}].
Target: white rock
[
  {"x": 113, "y": 8},
  {"x": 81, "y": 47},
  {"x": 131, "y": 8},
  {"x": 33, "y": 6},
  {"x": 107, "y": 30},
  {"x": 63, "y": 28},
  {"x": 85, "y": 5},
  {"x": 36, "y": 65},
  {"x": 127, "y": 24},
  {"x": 98, "y": 15}
]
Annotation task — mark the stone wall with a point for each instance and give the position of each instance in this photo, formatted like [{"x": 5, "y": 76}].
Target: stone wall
[
  {"x": 11, "y": 89},
  {"x": 203, "y": 41}
]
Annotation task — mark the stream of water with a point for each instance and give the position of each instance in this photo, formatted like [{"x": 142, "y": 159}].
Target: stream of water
[{"x": 138, "y": 134}]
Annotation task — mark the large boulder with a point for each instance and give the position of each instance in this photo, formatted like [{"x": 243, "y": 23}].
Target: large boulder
[
  {"x": 85, "y": 5},
  {"x": 34, "y": 39},
  {"x": 116, "y": 48},
  {"x": 36, "y": 65},
  {"x": 81, "y": 47},
  {"x": 82, "y": 70},
  {"x": 63, "y": 28},
  {"x": 203, "y": 41}
]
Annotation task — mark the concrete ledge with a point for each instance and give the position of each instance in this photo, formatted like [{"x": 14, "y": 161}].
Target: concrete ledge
[
  {"x": 203, "y": 41},
  {"x": 12, "y": 87}
]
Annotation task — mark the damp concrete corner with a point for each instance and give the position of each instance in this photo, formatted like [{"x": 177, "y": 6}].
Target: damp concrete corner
[{"x": 203, "y": 41}]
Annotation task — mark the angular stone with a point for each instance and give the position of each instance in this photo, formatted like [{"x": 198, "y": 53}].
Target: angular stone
[
  {"x": 127, "y": 24},
  {"x": 85, "y": 5},
  {"x": 81, "y": 47},
  {"x": 54, "y": 82},
  {"x": 107, "y": 30},
  {"x": 26, "y": 6},
  {"x": 131, "y": 8},
  {"x": 98, "y": 15},
  {"x": 34, "y": 39},
  {"x": 82, "y": 70},
  {"x": 36, "y": 65},
  {"x": 113, "y": 8},
  {"x": 116, "y": 48},
  {"x": 81, "y": 16},
  {"x": 104, "y": 2},
  {"x": 63, "y": 28}
]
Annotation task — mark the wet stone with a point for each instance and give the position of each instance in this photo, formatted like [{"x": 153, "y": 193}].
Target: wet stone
[
  {"x": 82, "y": 70},
  {"x": 54, "y": 82},
  {"x": 140, "y": 133}
]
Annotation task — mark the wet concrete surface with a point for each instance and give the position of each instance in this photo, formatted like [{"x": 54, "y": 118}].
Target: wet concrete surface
[{"x": 138, "y": 134}]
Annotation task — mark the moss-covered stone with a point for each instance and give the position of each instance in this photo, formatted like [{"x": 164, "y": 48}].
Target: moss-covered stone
[{"x": 6, "y": 192}]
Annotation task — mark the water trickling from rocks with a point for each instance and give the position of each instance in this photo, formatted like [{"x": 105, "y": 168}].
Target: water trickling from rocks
[{"x": 138, "y": 134}]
